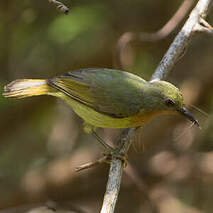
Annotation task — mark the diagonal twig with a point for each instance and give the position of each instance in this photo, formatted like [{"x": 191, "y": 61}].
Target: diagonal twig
[
  {"x": 115, "y": 173},
  {"x": 60, "y": 6},
  {"x": 92, "y": 164},
  {"x": 204, "y": 27}
]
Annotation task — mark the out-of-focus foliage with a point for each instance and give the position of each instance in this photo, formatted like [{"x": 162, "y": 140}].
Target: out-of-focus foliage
[{"x": 42, "y": 140}]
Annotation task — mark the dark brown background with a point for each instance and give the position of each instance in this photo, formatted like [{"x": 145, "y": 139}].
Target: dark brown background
[{"x": 42, "y": 139}]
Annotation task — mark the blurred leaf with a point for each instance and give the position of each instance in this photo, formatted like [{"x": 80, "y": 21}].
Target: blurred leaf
[{"x": 80, "y": 20}]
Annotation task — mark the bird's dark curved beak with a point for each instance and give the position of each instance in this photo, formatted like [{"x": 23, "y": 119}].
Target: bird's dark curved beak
[{"x": 188, "y": 115}]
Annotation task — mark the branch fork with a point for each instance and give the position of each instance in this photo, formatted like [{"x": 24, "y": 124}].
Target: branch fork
[{"x": 204, "y": 27}]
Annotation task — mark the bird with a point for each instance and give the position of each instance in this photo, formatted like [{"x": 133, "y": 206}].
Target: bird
[{"x": 106, "y": 98}]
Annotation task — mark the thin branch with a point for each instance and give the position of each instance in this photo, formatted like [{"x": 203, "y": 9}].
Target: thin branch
[
  {"x": 92, "y": 164},
  {"x": 127, "y": 37},
  {"x": 115, "y": 173},
  {"x": 176, "y": 49},
  {"x": 205, "y": 23},
  {"x": 202, "y": 29},
  {"x": 182, "y": 40},
  {"x": 60, "y": 6}
]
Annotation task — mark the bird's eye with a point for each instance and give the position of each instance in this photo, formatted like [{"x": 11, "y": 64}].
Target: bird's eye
[{"x": 169, "y": 103}]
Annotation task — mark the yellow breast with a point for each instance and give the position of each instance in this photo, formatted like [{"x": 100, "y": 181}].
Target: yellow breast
[
  {"x": 97, "y": 119},
  {"x": 101, "y": 120}
]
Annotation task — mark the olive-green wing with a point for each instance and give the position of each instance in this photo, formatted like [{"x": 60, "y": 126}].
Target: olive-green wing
[{"x": 112, "y": 92}]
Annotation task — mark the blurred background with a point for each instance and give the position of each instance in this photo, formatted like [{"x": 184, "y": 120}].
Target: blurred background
[{"x": 170, "y": 165}]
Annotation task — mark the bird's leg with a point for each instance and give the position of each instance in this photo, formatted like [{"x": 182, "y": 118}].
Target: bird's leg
[
  {"x": 106, "y": 146},
  {"x": 90, "y": 129},
  {"x": 110, "y": 151}
]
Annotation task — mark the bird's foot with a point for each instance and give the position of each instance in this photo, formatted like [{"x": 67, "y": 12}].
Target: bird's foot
[
  {"x": 115, "y": 154},
  {"x": 111, "y": 152}
]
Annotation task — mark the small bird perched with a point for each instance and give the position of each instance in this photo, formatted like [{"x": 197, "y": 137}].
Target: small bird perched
[{"x": 106, "y": 98}]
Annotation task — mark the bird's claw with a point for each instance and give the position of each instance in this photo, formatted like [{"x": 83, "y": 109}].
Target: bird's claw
[{"x": 116, "y": 154}]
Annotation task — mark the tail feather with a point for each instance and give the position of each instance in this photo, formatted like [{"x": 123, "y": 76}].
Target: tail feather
[{"x": 26, "y": 87}]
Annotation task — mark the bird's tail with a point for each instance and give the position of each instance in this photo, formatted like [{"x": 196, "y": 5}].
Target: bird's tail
[{"x": 26, "y": 87}]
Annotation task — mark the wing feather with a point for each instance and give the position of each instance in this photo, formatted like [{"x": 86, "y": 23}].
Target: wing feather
[{"x": 112, "y": 92}]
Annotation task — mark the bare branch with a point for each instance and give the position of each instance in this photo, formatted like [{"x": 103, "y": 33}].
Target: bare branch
[
  {"x": 115, "y": 173},
  {"x": 173, "y": 54},
  {"x": 202, "y": 29},
  {"x": 60, "y": 6},
  {"x": 89, "y": 165},
  {"x": 204, "y": 23},
  {"x": 182, "y": 40},
  {"x": 127, "y": 37}
]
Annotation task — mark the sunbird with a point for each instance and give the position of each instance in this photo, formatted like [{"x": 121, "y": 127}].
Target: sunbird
[{"x": 106, "y": 98}]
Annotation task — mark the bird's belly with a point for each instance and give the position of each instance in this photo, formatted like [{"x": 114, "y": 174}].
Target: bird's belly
[{"x": 102, "y": 120}]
